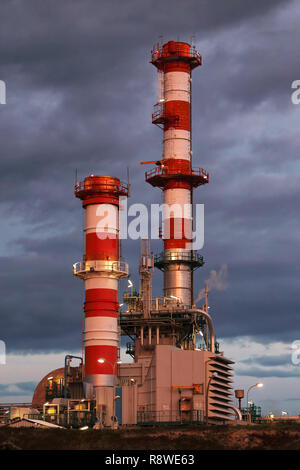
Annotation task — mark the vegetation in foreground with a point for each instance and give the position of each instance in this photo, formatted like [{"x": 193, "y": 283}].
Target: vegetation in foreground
[{"x": 274, "y": 436}]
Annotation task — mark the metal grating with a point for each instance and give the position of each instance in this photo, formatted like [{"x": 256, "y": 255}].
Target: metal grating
[{"x": 221, "y": 390}]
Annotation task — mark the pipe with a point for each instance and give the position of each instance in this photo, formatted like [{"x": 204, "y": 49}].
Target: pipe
[
  {"x": 210, "y": 326},
  {"x": 68, "y": 356},
  {"x": 237, "y": 412}
]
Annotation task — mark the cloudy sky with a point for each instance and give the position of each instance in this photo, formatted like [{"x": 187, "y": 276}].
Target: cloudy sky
[{"x": 80, "y": 92}]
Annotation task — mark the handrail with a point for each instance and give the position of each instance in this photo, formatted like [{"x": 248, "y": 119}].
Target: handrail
[
  {"x": 106, "y": 265},
  {"x": 103, "y": 187},
  {"x": 158, "y": 110},
  {"x": 159, "y": 171},
  {"x": 158, "y": 53},
  {"x": 170, "y": 416},
  {"x": 178, "y": 256}
]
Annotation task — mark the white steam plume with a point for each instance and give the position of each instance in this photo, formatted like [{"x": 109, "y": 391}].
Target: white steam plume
[{"x": 217, "y": 280}]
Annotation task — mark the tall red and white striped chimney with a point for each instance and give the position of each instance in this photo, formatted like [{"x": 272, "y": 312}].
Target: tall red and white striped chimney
[
  {"x": 101, "y": 270},
  {"x": 175, "y": 175}
]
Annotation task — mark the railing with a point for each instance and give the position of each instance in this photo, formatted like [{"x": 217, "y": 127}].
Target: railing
[
  {"x": 109, "y": 186},
  {"x": 158, "y": 111},
  {"x": 16, "y": 405},
  {"x": 189, "y": 256},
  {"x": 117, "y": 267},
  {"x": 6, "y": 410},
  {"x": 74, "y": 419},
  {"x": 165, "y": 171},
  {"x": 170, "y": 417},
  {"x": 130, "y": 349},
  {"x": 158, "y": 53}
]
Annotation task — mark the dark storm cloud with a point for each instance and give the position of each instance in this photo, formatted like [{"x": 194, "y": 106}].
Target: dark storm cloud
[
  {"x": 41, "y": 308},
  {"x": 80, "y": 92},
  {"x": 269, "y": 360}
]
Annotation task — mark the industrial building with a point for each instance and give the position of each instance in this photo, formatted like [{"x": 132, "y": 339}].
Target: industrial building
[{"x": 178, "y": 374}]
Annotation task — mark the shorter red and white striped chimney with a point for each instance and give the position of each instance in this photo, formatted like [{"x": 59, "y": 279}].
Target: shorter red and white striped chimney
[{"x": 101, "y": 270}]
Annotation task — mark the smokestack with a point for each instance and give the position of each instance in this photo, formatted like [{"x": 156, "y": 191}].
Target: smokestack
[
  {"x": 101, "y": 270},
  {"x": 175, "y": 176}
]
